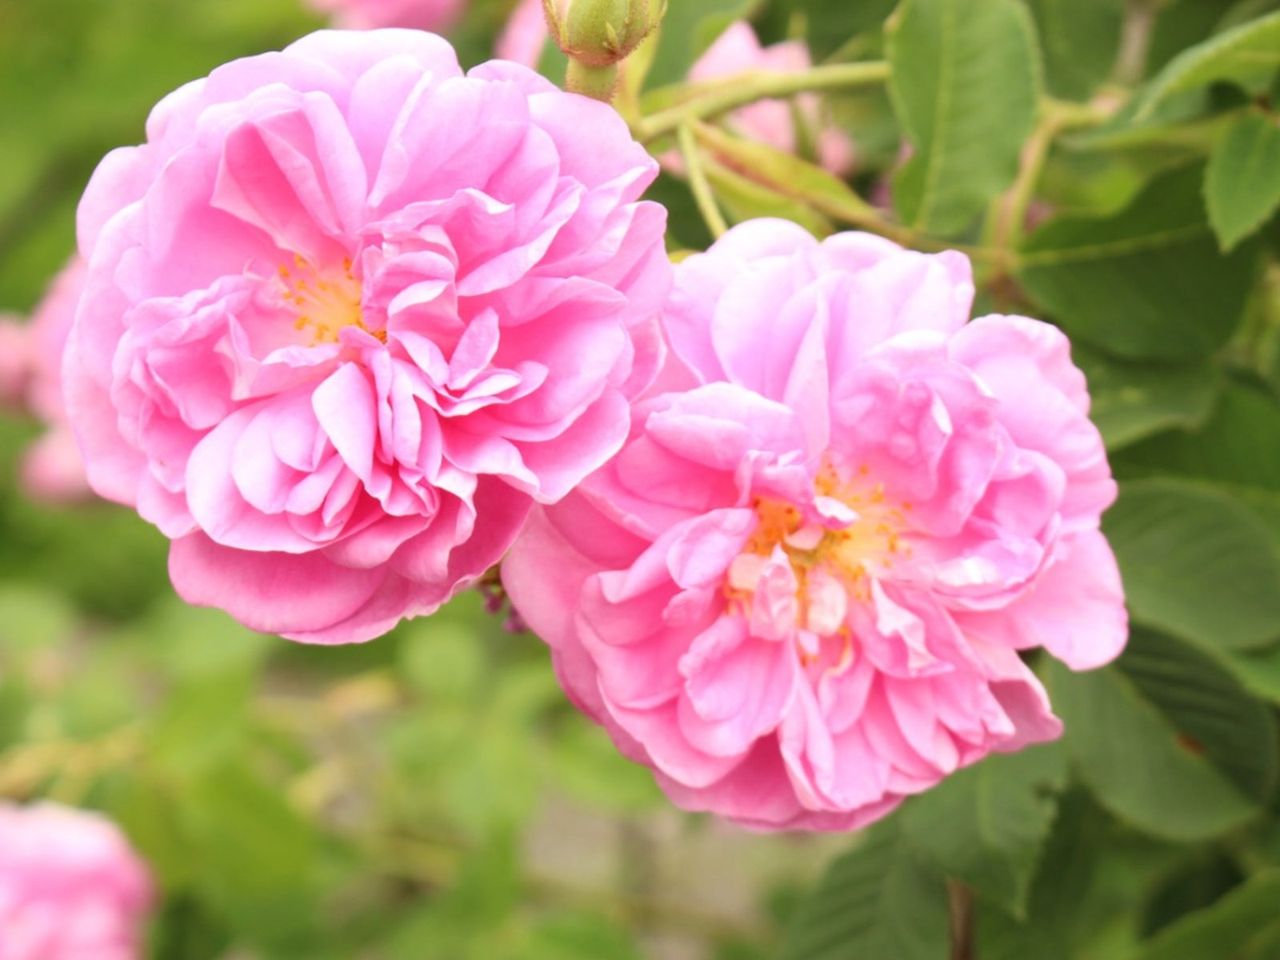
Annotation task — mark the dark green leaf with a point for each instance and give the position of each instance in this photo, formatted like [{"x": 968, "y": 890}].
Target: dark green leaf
[
  {"x": 1243, "y": 925},
  {"x": 1132, "y": 401},
  {"x": 1147, "y": 282},
  {"x": 1166, "y": 739},
  {"x": 1235, "y": 447},
  {"x": 986, "y": 825},
  {"x": 876, "y": 901},
  {"x": 1247, "y": 55},
  {"x": 965, "y": 83},
  {"x": 1080, "y": 40},
  {"x": 1197, "y": 563}
]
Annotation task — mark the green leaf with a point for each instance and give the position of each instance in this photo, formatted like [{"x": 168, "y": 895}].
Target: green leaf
[
  {"x": 1247, "y": 55},
  {"x": 1147, "y": 282},
  {"x": 832, "y": 22},
  {"x": 1235, "y": 447},
  {"x": 1167, "y": 739},
  {"x": 1201, "y": 877},
  {"x": 1083, "y": 882},
  {"x": 1214, "y": 716},
  {"x": 876, "y": 901},
  {"x": 1080, "y": 40},
  {"x": 986, "y": 825},
  {"x": 1243, "y": 925},
  {"x": 1132, "y": 401},
  {"x": 1197, "y": 563},
  {"x": 1242, "y": 183},
  {"x": 1258, "y": 670},
  {"x": 965, "y": 84}
]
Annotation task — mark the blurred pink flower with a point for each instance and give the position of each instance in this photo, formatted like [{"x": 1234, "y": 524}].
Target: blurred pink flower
[
  {"x": 369, "y": 14},
  {"x": 800, "y": 589},
  {"x": 737, "y": 50},
  {"x": 71, "y": 888},
  {"x": 350, "y": 313},
  {"x": 525, "y": 34},
  {"x": 52, "y": 469},
  {"x": 15, "y": 360}
]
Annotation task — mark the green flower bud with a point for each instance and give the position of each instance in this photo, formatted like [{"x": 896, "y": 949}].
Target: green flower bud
[{"x": 600, "y": 33}]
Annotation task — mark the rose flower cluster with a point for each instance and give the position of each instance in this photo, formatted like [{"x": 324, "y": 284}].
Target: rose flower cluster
[{"x": 358, "y": 326}]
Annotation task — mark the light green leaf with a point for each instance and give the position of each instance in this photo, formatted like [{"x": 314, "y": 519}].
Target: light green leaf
[
  {"x": 876, "y": 901},
  {"x": 1197, "y": 563},
  {"x": 1132, "y": 401},
  {"x": 1248, "y": 55},
  {"x": 1258, "y": 670},
  {"x": 986, "y": 825},
  {"x": 1146, "y": 282},
  {"x": 1243, "y": 925},
  {"x": 965, "y": 84},
  {"x": 1080, "y": 40},
  {"x": 1242, "y": 183},
  {"x": 1167, "y": 740}
]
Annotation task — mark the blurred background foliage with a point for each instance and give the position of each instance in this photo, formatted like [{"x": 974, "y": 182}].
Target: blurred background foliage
[{"x": 1112, "y": 166}]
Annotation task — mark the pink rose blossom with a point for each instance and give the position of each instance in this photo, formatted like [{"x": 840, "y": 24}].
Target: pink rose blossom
[
  {"x": 70, "y": 887},
  {"x": 800, "y": 589},
  {"x": 737, "y": 50},
  {"x": 350, "y": 312},
  {"x": 370, "y": 14},
  {"x": 52, "y": 469}
]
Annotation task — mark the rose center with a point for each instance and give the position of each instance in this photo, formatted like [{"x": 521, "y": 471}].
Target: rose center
[
  {"x": 834, "y": 548},
  {"x": 324, "y": 302}
]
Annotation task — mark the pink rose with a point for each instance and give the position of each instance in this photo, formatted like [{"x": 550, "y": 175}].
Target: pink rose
[
  {"x": 70, "y": 887},
  {"x": 52, "y": 469},
  {"x": 370, "y": 14},
  {"x": 772, "y": 122},
  {"x": 800, "y": 589},
  {"x": 349, "y": 313}
]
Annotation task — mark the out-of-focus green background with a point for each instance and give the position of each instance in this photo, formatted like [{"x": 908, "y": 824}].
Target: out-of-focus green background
[{"x": 428, "y": 795}]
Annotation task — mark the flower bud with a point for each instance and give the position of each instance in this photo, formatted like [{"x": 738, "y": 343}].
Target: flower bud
[{"x": 600, "y": 33}]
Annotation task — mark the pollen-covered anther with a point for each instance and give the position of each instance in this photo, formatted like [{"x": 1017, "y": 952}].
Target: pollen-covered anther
[
  {"x": 325, "y": 301},
  {"x": 835, "y": 547}
]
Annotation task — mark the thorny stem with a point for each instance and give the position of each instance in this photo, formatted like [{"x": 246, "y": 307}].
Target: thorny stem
[
  {"x": 698, "y": 184},
  {"x": 749, "y": 88},
  {"x": 1057, "y": 117}
]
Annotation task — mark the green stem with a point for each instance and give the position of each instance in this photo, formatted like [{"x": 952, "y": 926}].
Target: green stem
[
  {"x": 698, "y": 184},
  {"x": 1010, "y": 214},
  {"x": 740, "y": 90},
  {"x": 599, "y": 83}
]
